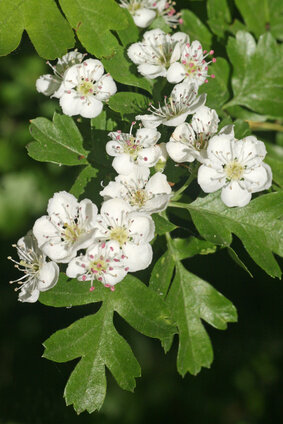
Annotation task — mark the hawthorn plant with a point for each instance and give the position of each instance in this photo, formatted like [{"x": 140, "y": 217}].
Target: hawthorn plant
[{"x": 158, "y": 125}]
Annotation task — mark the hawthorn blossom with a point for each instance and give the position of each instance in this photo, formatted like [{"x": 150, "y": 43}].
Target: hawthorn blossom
[
  {"x": 183, "y": 101},
  {"x": 85, "y": 88},
  {"x": 130, "y": 151},
  {"x": 39, "y": 275},
  {"x": 192, "y": 66},
  {"x": 51, "y": 85},
  {"x": 157, "y": 52},
  {"x": 132, "y": 230},
  {"x": 236, "y": 167},
  {"x": 68, "y": 227},
  {"x": 102, "y": 262},
  {"x": 189, "y": 141},
  {"x": 142, "y": 193}
]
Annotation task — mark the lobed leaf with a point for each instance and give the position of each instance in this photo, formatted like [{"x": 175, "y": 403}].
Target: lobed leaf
[
  {"x": 192, "y": 299},
  {"x": 257, "y": 225},
  {"x": 129, "y": 103},
  {"x": 59, "y": 141},
  {"x": 195, "y": 28},
  {"x": 219, "y": 16},
  {"x": 49, "y": 32},
  {"x": 256, "y": 82}
]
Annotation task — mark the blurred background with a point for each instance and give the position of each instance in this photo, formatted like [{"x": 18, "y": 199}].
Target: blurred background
[{"x": 244, "y": 385}]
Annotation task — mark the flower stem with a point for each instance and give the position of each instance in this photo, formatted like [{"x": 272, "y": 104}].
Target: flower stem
[
  {"x": 273, "y": 126},
  {"x": 179, "y": 192}
]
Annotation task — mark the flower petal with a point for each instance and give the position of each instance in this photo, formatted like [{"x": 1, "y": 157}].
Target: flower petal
[
  {"x": 179, "y": 152},
  {"x": 158, "y": 184},
  {"x": 62, "y": 205},
  {"x": 48, "y": 276},
  {"x": 209, "y": 179},
  {"x": 141, "y": 228},
  {"x": 147, "y": 136},
  {"x": 176, "y": 73},
  {"x": 105, "y": 88},
  {"x": 149, "y": 156},
  {"x": 149, "y": 121},
  {"x": 234, "y": 195},
  {"x": 138, "y": 257},
  {"x": 123, "y": 164},
  {"x": 48, "y": 84},
  {"x": 143, "y": 17},
  {"x": 152, "y": 71}
]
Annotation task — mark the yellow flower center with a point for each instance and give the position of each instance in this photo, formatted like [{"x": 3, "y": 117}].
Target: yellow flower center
[
  {"x": 234, "y": 170},
  {"x": 120, "y": 234},
  {"x": 138, "y": 198},
  {"x": 191, "y": 67},
  {"x": 85, "y": 88},
  {"x": 72, "y": 232},
  {"x": 131, "y": 147},
  {"x": 98, "y": 266}
]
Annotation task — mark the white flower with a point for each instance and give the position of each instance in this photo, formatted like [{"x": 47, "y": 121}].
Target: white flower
[
  {"x": 51, "y": 85},
  {"x": 39, "y": 275},
  {"x": 189, "y": 141},
  {"x": 130, "y": 151},
  {"x": 68, "y": 227},
  {"x": 142, "y": 193},
  {"x": 132, "y": 230},
  {"x": 157, "y": 52},
  {"x": 183, "y": 101},
  {"x": 142, "y": 11},
  {"x": 103, "y": 262},
  {"x": 235, "y": 166},
  {"x": 85, "y": 88},
  {"x": 192, "y": 66}
]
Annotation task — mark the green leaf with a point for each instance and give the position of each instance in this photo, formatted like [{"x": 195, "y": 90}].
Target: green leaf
[
  {"x": 59, "y": 141},
  {"x": 257, "y": 83},
  {"x": 274, "y": 158},
  {"x": 129, "y": 103},
  {"x": 237, "y": 260},
  {"x": 131, "y": 33},
  {"x": 217, "y": 89},
  {"x": 93, "y": 22},
  {"x": 160, "y": 23},
  {"x": 124, "y": 71},
  {"x": 185, "y": 248},
  {"x": 241, "y": 129},
  {"x": 257, "y": 225},
  {"x": 193, "y": 26},
  {"x": 49, "y": 32},
  {"x": 84, "y": 177},
  {"x": 219, "y": 16},
  {"x": 162, "y": 274},
  {"x": 192, "y": 299},
  {"x": 140, "y": 306},
  {"x": 162, "y": 225},
  {"x": 262, "y": 16},
  {"x": 94, "y": 339}
]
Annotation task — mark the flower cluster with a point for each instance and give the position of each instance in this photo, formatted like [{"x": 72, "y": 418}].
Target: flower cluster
[{"x": 104, "y": 246}]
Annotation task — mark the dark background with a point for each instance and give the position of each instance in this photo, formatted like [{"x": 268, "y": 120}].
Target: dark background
[{"x": 244, "y": 384}]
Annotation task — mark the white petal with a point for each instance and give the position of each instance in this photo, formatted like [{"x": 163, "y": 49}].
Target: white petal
[
  {"x": 114, "y": 148},
  {"x": 90, "y": 107},
  {"x": 48, "y": 84},
  {"x": 205, "y": 120},
  {"x": 209, "y": 179},
  {"x": 183, "y": 132},
  {"x": 147, "y": 136},
  {"x": 269, "y": 176},
  {"x": 234, "y": 195},
  {"x": 178, "y": 152},
  {"x": 157, "y": 204},
  {"x": 43, "y": 228},
  {"x": 76, "y": 267},
  {"x": 105, "y": 88},
  {"x": 115, "y": 208},
  {"x": 138, "y": 257},
  {"x": 149, "y": 156},
  {"x": 88, "y": 213},
  {"x": 181, "y": 37},
  {"x": 220, "y": 149},
  {"x": 70, "y": 103},
  {"x": 143, "y": 17},
  {"x": 117, "y": 275},
  {"x": 30, "y": 296},
  {"x": 141, "y": 228},
  {"x": 256, "y": 179},
  {"x": 176, "y": 120},
  {"x": 176, "y": 73},
  {"x": 92, "y": 69},
  {"x": 158, "y": 184},
  {"x": 228, "y": 130},
  {"x": 113, "y": 190},
  {"x": 136, "y": 53},
  {"x": 149, "y": 121},
  {"x": 64, "y": 205},
  {"x": 123, "y": 164},
  {"x": 72, "y": 76},
  {"x": 152, "y": 71},
  {"x": 154, "y": 35},
  {"x": 48, "y": 276}
]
